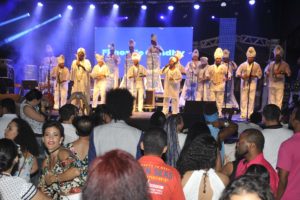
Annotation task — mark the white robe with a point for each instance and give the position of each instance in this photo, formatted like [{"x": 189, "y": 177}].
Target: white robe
[
  {"x": 60, "y": 90},
  {"x": 99, "y": 84},
  {"x": 112, "y": 62}
]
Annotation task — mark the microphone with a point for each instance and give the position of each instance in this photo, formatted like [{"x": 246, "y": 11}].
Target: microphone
[{"x": 166, "y": 66}]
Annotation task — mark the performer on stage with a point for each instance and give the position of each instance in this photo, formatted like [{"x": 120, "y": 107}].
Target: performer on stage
[
  {"x": 249, "y": 71},
  {"x": 99, "y": 74},
  {"x": 276, "y": 72},
  {"x": 137, "y": 74},
  {"x": 61, "y": 75},
  {"x": 153, "y": 66},
  {"x": 80, "y": 74},
  {"x": 125, "y": 83},
  {"x": 49, "y": 59},
  {"x": 112, "y": 61},
  {"x": 230, "y": 100},
  {"x": 203, "y": 85},
  {"x": 217, "y": 74},
  {"x": 171, "y": 86},
  {"x": 179, "y": 56}
]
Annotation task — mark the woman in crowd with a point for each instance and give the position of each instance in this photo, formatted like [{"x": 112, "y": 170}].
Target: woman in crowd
[
  {"x": 22, "y": 134},
  {"x": 176, "y": 139},
  {"x": 116, "y": 175},
  {"x": 60, "y": 170},
  {"x": 12, "y": 187},
  {"x": 200, "y": 180}
]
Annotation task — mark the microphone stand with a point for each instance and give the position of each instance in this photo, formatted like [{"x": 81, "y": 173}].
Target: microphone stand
[
  {"x": 192, "y": 86},
  {"x": 226, "y": 84},
  {"x": 152, "y": 70},
  {"x": 248, "y": 96},
  {"x": 126, "y": 68},
  {"x": 59, "y": 91}
]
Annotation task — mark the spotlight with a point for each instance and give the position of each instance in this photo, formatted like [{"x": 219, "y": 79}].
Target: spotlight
[
  {"x": 170, "y": 7},
  {"x": 115, "y": 6},
  {"x": 196, "y": 6},
  {"x": 223, "y": 4},
  {"x": 70, "y": 7},
  {"x": 92, "y": 6},
  {"x": 144, "y": 7},
  {"x": 162, "y": 17},
  {"x": 252, "y": 2},
  {"x": 39, "y": 4},
  {"x": 213, "y": 17},
  {"x": 14, "y": 19},
  {"x": 125, "y": 17}
]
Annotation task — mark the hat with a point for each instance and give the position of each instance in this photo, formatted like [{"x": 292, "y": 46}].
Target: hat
[
  {"x": 136, "y": 56},
  {"x": 251, "y": 53},
  {"x": 173, "y": 58},
  {"x": 204, "y": 60},
  {"x": 226, "y": 53},
  {"x": 195, "y": 53},
  {"x": 99, "y": 57},
  {"x": 60, "y": 59},
  {"x": 278, "y": 50},
  {"x": 153, "y": 37},
  {"x": 218, "y": 53},
  {"x": 178, "y": 54},
  {"x": 131, "y": 43},
  {"x": 81, "y": 50},
  {"x": 111, "y": 46}
]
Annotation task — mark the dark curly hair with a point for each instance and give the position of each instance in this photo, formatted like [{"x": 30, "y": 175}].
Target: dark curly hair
[
  {"x": 201, "y": 154},
  {"x": 33, "y": 94},
  {"x": 25, "y": 137},
  {"x": 55, "y": 124},
  {"x": 84, "y": 125},
  {"x": 248, "y": 184},
  {"x": 98, "y": 115},
  {"x": 8, "y": 152}
]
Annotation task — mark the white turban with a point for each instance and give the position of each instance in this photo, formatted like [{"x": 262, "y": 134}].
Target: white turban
[
  {"x": 218, "y": 53},
  {"x": 178, "y": 54},
  {"x": 111, "y": 46},
  {"x": 60, "y": 59},
  {"x": 226, "y": 53},
  {"x": 136, "y": 56},
  {"x": 131, "y": 43},
  {"x": 278, "y": 50},
  {"x": 204, "y": 60},
  {"x": 195, "y": 53},
  {"x": 173, "y": 58},
  {"x": 251, "y": 53},
  {"x": 153, "y": 37},
  {"x": 99, "y": 57},
  {"x": 81, "y": 50}
]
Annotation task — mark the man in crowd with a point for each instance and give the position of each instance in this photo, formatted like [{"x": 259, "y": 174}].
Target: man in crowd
[{"x": 67, "y": 113}]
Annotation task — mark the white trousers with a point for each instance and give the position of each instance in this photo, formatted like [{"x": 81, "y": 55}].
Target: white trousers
[
  {"x": 63, "y": 94},
  {"x": 275, "y": 96},
  {"x": 139, "y": 95},
  {"x": 175, "y": 105},
  {"x": 99, "y": 89},
  {"x": 244, "y": 101},
  {"x": 218, "y": 96}
]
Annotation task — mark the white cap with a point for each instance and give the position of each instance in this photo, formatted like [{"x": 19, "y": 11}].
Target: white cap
[
  {"x": 251, "y": 53},
  {"x": 131, "y": 43},
  {"x": 173, "y": 58},
  {"x": 111, "y": 46},
  {"x": 178, "y": 54},
  {"x": 153, "y": 37},
  {"x": 278, "y": 50},
  {"x": 218, "y": 53},
  {"x": 81, "y": 50},
  {"x": 204, "y": 60},
  {"x": 60, "y": 59},
  {"x": 136, "y": 56},
  {"x": 195, "y": 53},
  {"x": 226, "y": 53},
  {"x": 99, "y": 57}
]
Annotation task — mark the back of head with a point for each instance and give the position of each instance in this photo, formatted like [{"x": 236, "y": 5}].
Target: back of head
[
  {"x": 8, "y": 152},
  {"x": 33, "y": 94},
  {"x": 271, "y": 112},
  {"x": 9, "y": 105},
  {"x": 255, "y": 136},
  {"x": 116, "y": 175},
  {"x": 98, "y": 115},
  {"x": 259, "y": 171},
  {"x": 157, "y": 119},
  {"x": 256, "y": 117},
  {"x": 201, "y": 154},
  {"x": 67, "y": 111},
  {"x": 247, "y": 185},
  {"x": 84, "y": 125},
  {"x": 155, "y": 139},
  {"x": 120, "y": 103}
]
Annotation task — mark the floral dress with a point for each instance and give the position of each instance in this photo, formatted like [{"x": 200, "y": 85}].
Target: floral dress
[{"x": 56, "y": 190}]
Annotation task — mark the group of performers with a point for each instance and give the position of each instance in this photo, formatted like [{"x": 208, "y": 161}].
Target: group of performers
[{"x": 203, "y": 82}]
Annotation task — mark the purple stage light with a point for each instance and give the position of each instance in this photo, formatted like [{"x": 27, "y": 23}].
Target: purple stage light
[
  {"x": 162, "y": 17},
  {"x": 252, "y": 2},
  {"x": 115, "y": 6},
  {"x": 170, "y": 7},
  {"x": 196, "y": 6},
  {"x": 92, "y": 6},
  {"x": 223, "y": 4},
  {"x": 70, "y": 7},
  {"x": 144, "y": 7},
  {"x": 39, "y": 4},
  {"x": 213, "y": 17}
]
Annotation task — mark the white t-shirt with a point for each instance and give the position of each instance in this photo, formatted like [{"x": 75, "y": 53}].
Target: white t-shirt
[
  {"x": 70, "y": 133},
  {"x": 16, "y": 188},
  {"x": 273, "y": 139}
]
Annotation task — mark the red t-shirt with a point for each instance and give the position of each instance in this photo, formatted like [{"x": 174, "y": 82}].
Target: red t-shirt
[
  {"x": 163, "y": 180},
  {"x": 259, "y": 160}
]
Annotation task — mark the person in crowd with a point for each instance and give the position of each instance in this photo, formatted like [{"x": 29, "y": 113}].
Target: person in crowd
[
  {"x": 249, "y": 72},
  {"x": 176, "y": 139},
  {"x": 247, "y": 187},
  {"x": 112, "y": 61},
  {"x": 288, "y": 163},
  {"x": 116, "y": 134},
  {"x": 99, "y": 73},
  {"x": 67, "y": 113},
  {"x": 22, "y": 134},
  {"x": 276, "y": 71},
  {"x": 61, "y": 172},
  {"x": 259, "y": 171},
  {"x": 229, "y": 169},
  {"x": 14, "y": 187},
  {"x": 171, "y": 86},
  {"x": 61, "y": 75},
  {"x": 163, "y": 180},
  {"x": 250, "y": 146},
  {"x": 200, "y": 180},
  {"x": 101, "y": 115},
  {"x": 8, "y": 108},
  {"x": 273, "y": 133},
  {"x": 158, "y": 119},
  {"x": 116, "y": 175}
]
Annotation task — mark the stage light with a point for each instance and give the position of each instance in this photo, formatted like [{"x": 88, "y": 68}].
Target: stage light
[
  {"x": 196, "y": 6},
  {"x": 223, "y": 4},
  {"x": 144, "y": 7},
  {"x": 115, "y": 6},
  {"x": 14, "y": 19},
  {"x": 40, "y": 4},
  {"x": 125, "y": 17},
  {"x": 252, "y": 2},
  {"x": 213, "y": 17},
  {"x": 92, "y": 6},
  {"x": 70, "y": 7},
  {"x": 170, "y": 7},
  {"x": 162, "y": 17}
]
